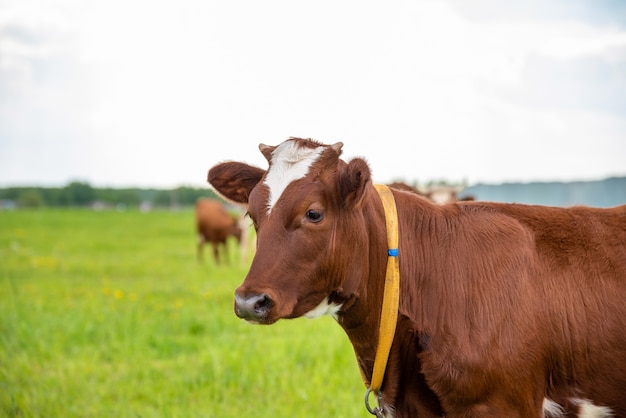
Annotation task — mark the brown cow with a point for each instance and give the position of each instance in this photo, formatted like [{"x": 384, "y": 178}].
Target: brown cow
[
  {"x": 505, "y": 310},
  {"x": 214, "y": 225},
  {"x": 438, "y": 194}
]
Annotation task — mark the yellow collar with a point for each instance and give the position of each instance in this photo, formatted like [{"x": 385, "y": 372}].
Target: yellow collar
[{"x": 391, "y": 296}]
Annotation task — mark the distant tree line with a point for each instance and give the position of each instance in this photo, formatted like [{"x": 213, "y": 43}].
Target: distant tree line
[{"x": 80, "y": 194}]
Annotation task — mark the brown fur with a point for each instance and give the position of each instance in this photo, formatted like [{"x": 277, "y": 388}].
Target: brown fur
[
  {"x": 214, "y": 225},
  {"x": 501, "y": 305}
]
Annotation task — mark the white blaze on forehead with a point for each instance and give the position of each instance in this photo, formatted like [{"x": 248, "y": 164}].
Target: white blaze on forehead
[{"x": 290, "y": 162}]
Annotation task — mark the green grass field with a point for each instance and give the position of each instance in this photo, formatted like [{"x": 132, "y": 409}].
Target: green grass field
[{"x": 108, "y": 314}]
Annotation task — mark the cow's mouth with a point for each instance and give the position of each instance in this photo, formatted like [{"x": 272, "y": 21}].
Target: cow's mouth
[{"x": 260, "y": 322}]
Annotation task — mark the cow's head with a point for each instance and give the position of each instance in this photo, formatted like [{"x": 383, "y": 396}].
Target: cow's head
[{"x": 306, "y": 209}]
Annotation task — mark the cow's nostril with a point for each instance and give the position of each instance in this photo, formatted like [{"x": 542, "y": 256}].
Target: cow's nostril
[
  {"x": 253, "y": 308},
  {"x": 263, "y": 303}
]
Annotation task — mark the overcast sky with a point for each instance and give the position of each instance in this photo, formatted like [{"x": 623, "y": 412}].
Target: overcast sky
[{"x": 153, "y": 93}]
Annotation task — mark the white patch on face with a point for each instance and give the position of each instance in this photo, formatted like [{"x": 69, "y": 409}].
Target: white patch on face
[
  {"x": 322, "y": 309},
  {"x": 589, "y": 410},
  {"x": 552, "y": 409},
  {"x": 289, "y": 163}
]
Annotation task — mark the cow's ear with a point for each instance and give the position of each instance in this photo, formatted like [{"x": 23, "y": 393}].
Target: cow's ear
[
  {"x": 234, "y": 180},
  {"x": 352, "y": 181},
  {"x": 267, "y": 151}
]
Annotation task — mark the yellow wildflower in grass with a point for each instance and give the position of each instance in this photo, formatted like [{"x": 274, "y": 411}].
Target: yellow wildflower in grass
[
  {"x": 118, "y": 294},
  {"x": 45, "y": 262}
]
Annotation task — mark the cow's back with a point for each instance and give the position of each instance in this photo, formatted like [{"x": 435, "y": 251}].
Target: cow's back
[{"x": 567, "y": 238}]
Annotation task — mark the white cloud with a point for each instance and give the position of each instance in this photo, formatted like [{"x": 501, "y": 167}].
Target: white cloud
[{"x": 584, "y": 41}]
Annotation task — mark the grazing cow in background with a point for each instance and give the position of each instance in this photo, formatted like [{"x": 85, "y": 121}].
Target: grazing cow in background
[
  {"x": 443, "y": 193},
  {"x": 438, "y": 194},
  {"x": 214, "y": 225},
  {"x": 505, "y": 310}
]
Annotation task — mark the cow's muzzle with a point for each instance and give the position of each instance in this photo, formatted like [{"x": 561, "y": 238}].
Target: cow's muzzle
[{"x": 253, "y": 308}]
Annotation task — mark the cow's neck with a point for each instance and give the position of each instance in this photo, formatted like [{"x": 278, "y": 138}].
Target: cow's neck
[
  {"x": 361, "y": 321},
  {"x": 417, "y": 218}
]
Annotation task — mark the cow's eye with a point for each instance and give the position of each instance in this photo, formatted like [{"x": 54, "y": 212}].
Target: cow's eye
[
  {"x": 252, "y": 219},
  {"x": 314, "y": 215}
]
